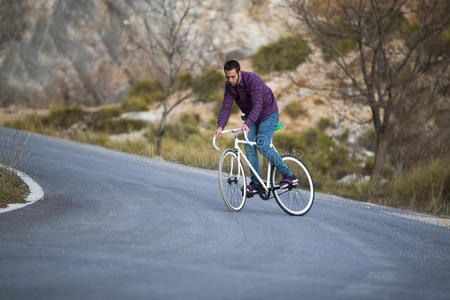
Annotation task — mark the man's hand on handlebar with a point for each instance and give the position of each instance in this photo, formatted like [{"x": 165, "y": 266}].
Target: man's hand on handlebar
[
  {"x": 218, "y": 132},
  {"x": 245, "y": 128}
]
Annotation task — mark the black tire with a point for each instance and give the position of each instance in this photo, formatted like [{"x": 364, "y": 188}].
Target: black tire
[
  {"x": 232, "y": 181},
  {"x": 298, "y": 200}
]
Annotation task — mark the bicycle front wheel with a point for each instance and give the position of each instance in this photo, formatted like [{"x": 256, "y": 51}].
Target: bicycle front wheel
[
  {"x": 232, "y": 181},
  {"x": 296, "y": 200}
]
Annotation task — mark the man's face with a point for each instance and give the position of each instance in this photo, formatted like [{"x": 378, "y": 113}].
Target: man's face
[{"x": 233, "y": 77}]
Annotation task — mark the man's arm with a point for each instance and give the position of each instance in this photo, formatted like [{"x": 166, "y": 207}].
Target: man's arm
[{"x": 226, "y": 108}]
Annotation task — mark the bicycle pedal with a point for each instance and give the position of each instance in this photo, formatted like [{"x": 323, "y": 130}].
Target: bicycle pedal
[
  {"x": 250, "y": 194},
  {"x": 290, "y": 186}
]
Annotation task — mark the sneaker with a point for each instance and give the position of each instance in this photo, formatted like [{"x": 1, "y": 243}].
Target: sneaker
[
  {"x": 288, "y": 181},
  {"x": 253, "y": 189}
]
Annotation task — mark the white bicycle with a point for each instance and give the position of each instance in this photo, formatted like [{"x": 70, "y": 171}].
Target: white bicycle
[{"x": 295, "y": 200}]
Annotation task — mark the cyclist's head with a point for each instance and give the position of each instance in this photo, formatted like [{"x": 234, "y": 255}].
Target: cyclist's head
[
  {"x": 232, "y": 64},
  {"x": 232, "y": 71}
]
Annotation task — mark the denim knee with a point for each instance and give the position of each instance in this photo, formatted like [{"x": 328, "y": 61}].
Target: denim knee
[
  {"x": 264, "y": 149},
  {"x": 249, "y": 149}
]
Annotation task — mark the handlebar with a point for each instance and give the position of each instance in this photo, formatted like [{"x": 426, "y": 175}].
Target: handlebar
[{"x": 234, "y": 130}]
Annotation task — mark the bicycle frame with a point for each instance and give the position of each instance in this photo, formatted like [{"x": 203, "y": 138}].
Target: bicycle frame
[{"x": 240, "y": 153}]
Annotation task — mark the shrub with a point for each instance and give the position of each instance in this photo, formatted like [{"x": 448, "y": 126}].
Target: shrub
[
  {"x": 210, "y": 97},
  {"x": 180, "y": 132},
  {"x": 145, "y": 86},
  {"x": 323, "y": 123},
  {"x": 12, "y": 155},
  {"x": 135, "y": 103},
  {"x": 123, "y": 126},
  {"x": 108, "y": 113},
  {"x": 183, "y": 81},
  {"x": 368, "y": 140},
  {"x": 295, "y": 109},
  {"x": 285, "y": 54},
  {"x": 424, "y": 188},
  {"x": 64, "y": 117},
  {"x": 12, "y": 188},
  {"x": 103, "y": 116},
  {"x": 368, "y": 165},
  {"x": 149, "y": 90},
  {"x": 32, "y": 123},
  {"x": 190, "y": 119},
  {"x": 209, "y": 80}
]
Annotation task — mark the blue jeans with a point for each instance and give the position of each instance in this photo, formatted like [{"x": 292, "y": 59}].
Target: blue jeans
[{"x": 263, "y": 134}]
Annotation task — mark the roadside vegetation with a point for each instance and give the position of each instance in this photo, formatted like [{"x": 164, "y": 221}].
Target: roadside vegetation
[
  {"x": 424, "y": 188},
  {"x": 12, "y": 155},
  {"x": 12, "y": 188}
]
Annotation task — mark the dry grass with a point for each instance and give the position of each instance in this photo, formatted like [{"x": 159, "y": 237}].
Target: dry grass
[
  {"x": 12, "y": 156},
  {"x": 12, "y": 188}
]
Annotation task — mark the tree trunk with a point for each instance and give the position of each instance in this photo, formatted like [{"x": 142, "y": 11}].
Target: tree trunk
[
  {"x": 380, "y": 156},
  {"x": 162, "y": 126}
]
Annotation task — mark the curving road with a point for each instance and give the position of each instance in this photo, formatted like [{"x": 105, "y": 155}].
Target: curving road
[{"x": 113, "y": 226}]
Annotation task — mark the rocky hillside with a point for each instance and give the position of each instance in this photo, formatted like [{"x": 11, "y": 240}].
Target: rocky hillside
[{"x": 79, "y": 51}]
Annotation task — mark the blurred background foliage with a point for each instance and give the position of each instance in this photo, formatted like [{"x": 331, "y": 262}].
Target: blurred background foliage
[{"x": 285, "y": 54}]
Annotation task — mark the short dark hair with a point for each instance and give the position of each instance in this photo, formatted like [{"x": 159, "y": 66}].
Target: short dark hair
[{"x": 232, "y": 64}]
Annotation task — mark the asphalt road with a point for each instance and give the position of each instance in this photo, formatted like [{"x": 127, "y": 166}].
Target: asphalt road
[{"x": 117, "y": 226}]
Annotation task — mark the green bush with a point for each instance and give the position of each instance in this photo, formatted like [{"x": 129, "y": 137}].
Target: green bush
[
  {"x": 32, "y": 123},
  {"x": 368, "y": 165},
  {"x": 285, "y": 54},
  {"x": 183, "y": 81},
  {"x": 180, "y": 132},
  {"x": 209, "y": 81},
  {"x": 368, "y": 140},
  {"x": 145, "y": 86},
  {"x": 295, "y": 110},
  {"x": 211, "y": 97},
  {"x": 190, "y": 119},
  {"x": 134, "y": 103},
  {"x": 324, "y": 123},
  {"x": 64, "y": 117},
  {"x": 148, "y": 90},
  {"x": 123, "y": 126},
  {"x": 108, "y": 113},
  {"x": 103, "y": 116}
]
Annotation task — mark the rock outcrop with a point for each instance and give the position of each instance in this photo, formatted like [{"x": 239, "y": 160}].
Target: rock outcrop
[{"x": 78, "y": 51}]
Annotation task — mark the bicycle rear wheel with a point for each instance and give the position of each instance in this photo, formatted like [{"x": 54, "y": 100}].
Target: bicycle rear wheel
[
  {"x": 232, "y": 181},
  {"x": 296, "y": 200}
]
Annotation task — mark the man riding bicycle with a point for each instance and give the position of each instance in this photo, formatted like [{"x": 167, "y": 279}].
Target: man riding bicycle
[{"x": 256, "y": 100}]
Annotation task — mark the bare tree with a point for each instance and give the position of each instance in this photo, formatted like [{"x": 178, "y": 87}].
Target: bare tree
[
  {"x": 174, "y": 44},
  {"x": 388, "y": 50}
]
